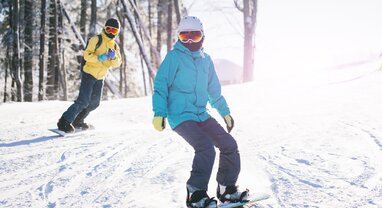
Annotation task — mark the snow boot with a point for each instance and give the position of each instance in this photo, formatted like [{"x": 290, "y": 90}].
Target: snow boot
[
  {"x": 65, "y": 125},
  {"x": 79, "y": 123},
  {"x": 200, "y": 199},
  {"x": 83, "y": 126},
  {"x": 231, "y": 194}
]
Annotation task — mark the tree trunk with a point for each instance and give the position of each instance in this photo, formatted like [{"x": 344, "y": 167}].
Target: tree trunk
[
  {"x": 249, "y": 15},
  {"x": 6, "y": 96},
  {"x": 153, "y": 59},
  {"x": 52, "y": 79},
  {"x": 138, "y": 38},
  {"x": 83, "y": 19},
  {"x": 154, "y": 52},
  {"x": 169, "y": 25},
  {"x": 61, "y": 70},
  {"x": 160, "y": 9},
  {"x": 28, "y": 51},
  {"x": 74, "y": 28},
  {"x": 144, "y": 77},
  {"x": 93, "y": 18},
  {"x": 177, "y": 11},
  {"x": 150, "y": 17},
  {"x": 42, "y": 52},
  {"x": 122, "y": 71},
  {"x": 13, "y": 91},
  {"x": 140, "y": 26},
  {"x": 16, "y": 79},
  {"x": 63, "y": 77}
]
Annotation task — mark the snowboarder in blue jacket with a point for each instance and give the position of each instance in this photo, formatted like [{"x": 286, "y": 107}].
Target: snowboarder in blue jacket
[{"x": 185, "y": 82}]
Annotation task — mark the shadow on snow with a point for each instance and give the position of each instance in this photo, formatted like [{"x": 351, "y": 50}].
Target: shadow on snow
[{"x": 29, "y": 141}]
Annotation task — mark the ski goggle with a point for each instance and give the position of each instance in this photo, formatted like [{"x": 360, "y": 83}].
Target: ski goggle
[
  {"x": 111, "y": 30},
  {"x": 193, "y": 36}
]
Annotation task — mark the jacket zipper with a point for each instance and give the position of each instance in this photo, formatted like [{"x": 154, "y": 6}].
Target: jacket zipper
[{"x": 196, "y": 84}]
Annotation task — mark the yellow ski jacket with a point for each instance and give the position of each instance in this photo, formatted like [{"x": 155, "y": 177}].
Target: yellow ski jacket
[{"x": 95, "y": 67}]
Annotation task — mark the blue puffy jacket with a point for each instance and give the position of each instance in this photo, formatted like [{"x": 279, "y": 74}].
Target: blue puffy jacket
[{"x": 185, "y": 82}]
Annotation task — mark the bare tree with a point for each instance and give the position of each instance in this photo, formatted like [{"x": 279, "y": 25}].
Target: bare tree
[
  {"x": 6, "y": 75},
  {"x": 169, "y": 25},
  {"x": 53, "y": 65},
  {"x": 16, "y": 78},
  {"x": 249, "y": 9},
  {"x": 150, "y": 25},
  {"x": 160, "y": 9},
  {"x": 7, "y": 43},
  {"x": 73, "y": 27},
  {"x": 42, "y": 51},
  {"x": 93, "y": 18},
  {"x": 147, "y": 33},
  {"x": 177, "y": 10},
  {"x": 62, "y": 78},
  {"x": 58, "y": 78},
  {"x": 149, "y": 8},
  {"x": 83, "y": 19},
  {"x": 139, "y": 28},
  {"x": 122, "y": 71},
  {"x": 138, "y": 38},
  {"x": 28, "y": 51}
]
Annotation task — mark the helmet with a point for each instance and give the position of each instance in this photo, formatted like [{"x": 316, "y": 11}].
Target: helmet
[
  {"x": 112, "y": 22},
  {"x": 190, "y": 23}
]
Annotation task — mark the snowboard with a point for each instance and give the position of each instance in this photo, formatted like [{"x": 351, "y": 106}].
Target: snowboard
[
  {"x": 64, "y": 134},
  {"x": 252, "y": 200}
]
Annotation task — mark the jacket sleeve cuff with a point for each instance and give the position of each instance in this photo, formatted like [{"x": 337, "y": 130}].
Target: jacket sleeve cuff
[
  {"x": 158, "y": 114},
  {"x": 224, "y": 112}
]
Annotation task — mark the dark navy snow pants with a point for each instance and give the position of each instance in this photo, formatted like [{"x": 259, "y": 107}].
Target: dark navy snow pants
[
  {"x": 203, "y": 137},
  {"x": 88, "y": 99}
]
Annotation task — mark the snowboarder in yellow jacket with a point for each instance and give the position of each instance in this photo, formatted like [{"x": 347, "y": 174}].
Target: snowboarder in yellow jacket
[{"x": 101, "y": 54}]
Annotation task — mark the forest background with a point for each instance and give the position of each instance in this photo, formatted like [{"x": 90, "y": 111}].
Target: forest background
[{"x": 42, "y": 44}]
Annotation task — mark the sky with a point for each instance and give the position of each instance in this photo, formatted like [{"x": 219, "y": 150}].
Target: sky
[{"x": 294, "y": 35}]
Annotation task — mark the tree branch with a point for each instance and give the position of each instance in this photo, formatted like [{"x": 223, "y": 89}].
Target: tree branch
[
  {"x": 147, "y": 34},
  {"x": 238, "y": 6},
  {"x": 138, "y": 38}
]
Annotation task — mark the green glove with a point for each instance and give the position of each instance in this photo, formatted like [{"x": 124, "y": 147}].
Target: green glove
[
  {"x": 230, "y": 122},
  {"x": 159, "y": 123}
]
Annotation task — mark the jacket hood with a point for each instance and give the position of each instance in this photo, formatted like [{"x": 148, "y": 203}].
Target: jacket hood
[{"x": 195, "y": 54}]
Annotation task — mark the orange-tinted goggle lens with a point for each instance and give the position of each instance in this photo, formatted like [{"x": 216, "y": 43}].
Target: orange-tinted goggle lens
[
  {"x": 194, "y": 36},
  {"x": 112, "y": 30}
]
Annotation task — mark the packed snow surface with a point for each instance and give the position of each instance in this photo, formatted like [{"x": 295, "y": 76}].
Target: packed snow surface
[{"x": 309, "y": 141}]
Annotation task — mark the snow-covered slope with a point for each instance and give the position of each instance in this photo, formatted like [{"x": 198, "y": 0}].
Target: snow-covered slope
[{"x": 315, "y": 143}]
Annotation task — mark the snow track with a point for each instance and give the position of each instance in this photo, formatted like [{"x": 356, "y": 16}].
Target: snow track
[{"x": 314, "y": 147}]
